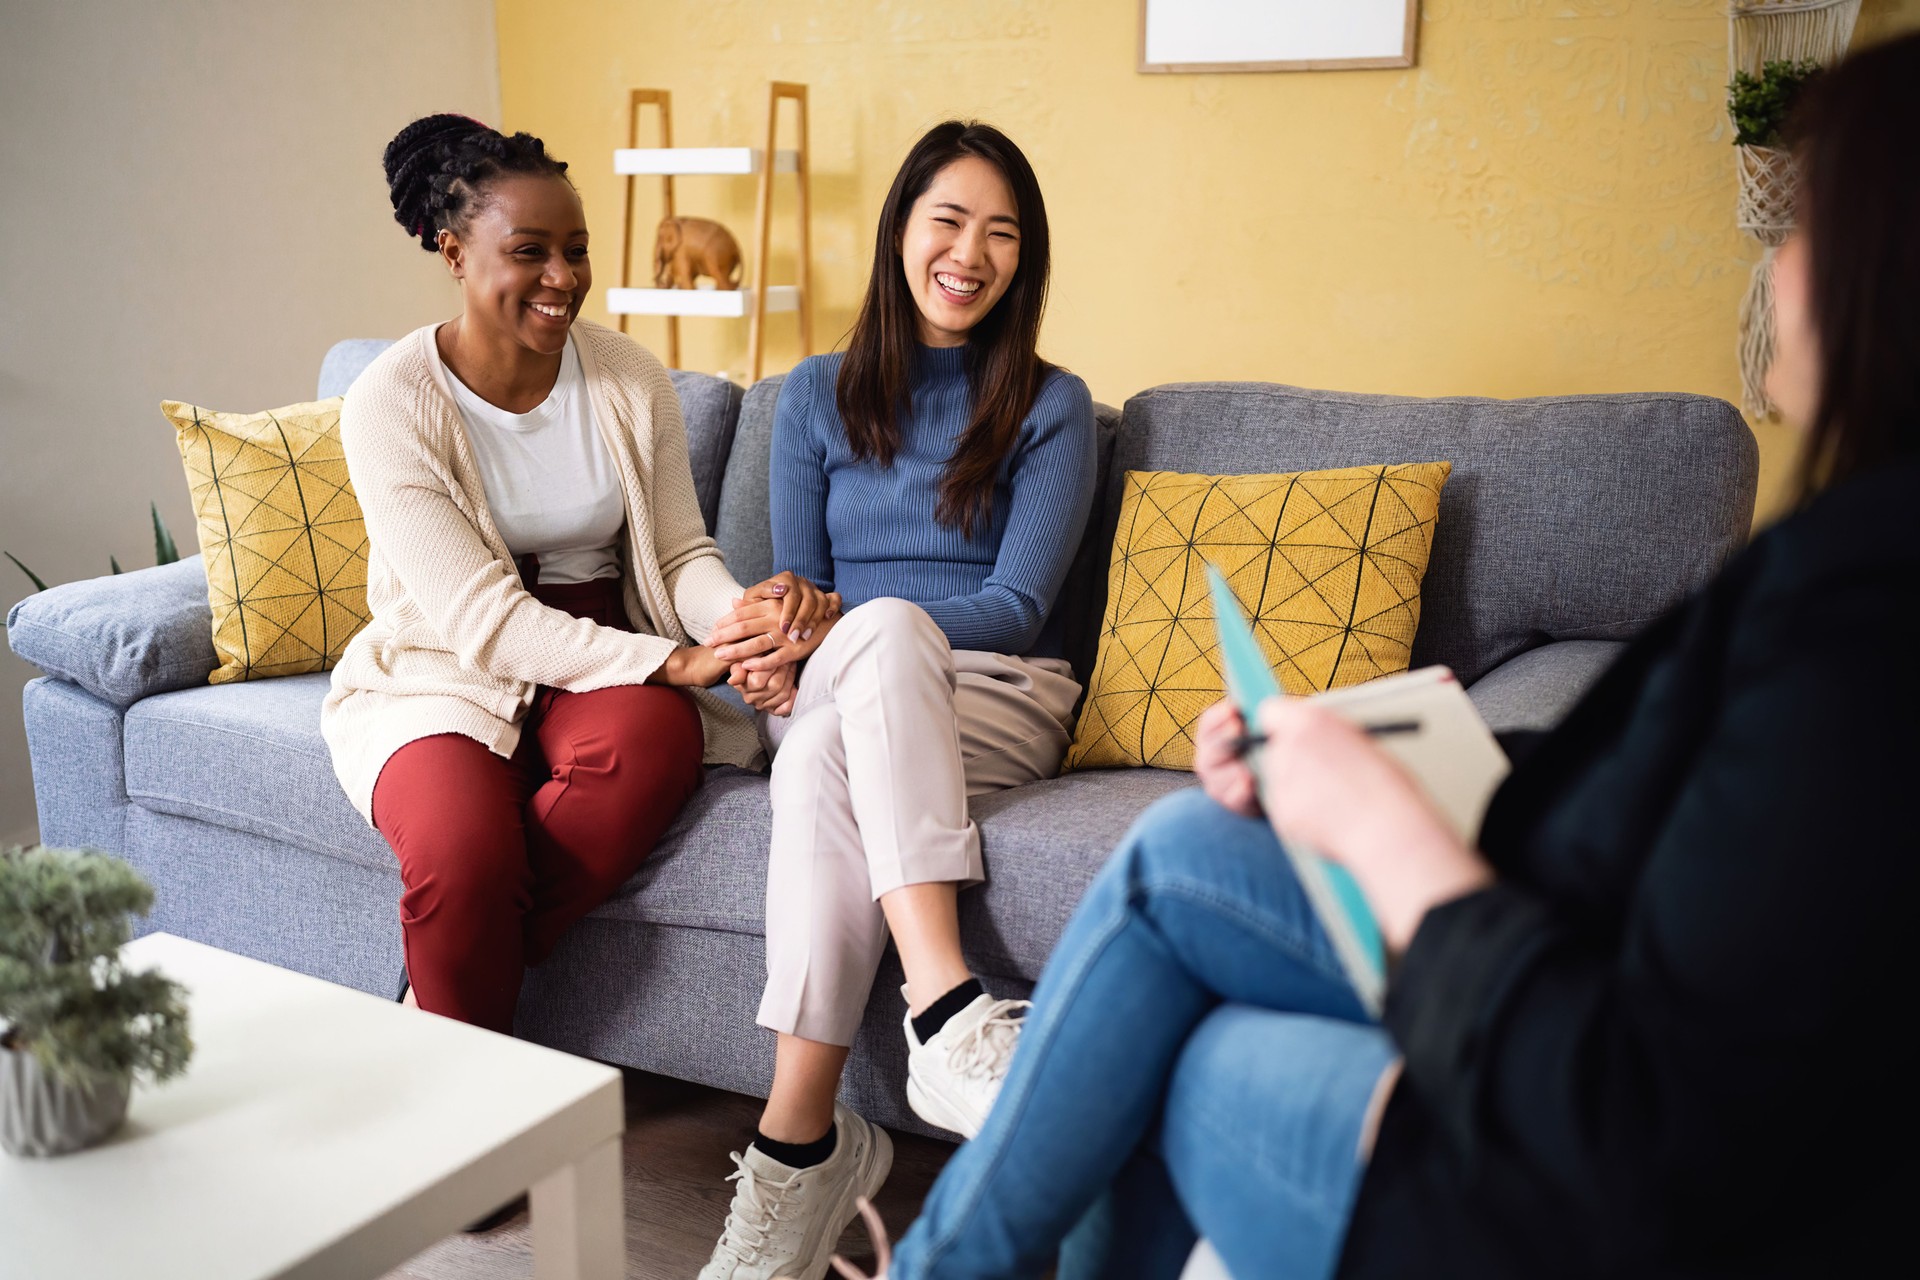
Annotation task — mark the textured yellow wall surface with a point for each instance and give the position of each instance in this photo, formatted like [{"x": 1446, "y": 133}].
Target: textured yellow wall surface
[{"x": 1543, "y": 205}]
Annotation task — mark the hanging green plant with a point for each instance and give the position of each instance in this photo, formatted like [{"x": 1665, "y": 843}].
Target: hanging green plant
[{"x": 1760, "y": 104}]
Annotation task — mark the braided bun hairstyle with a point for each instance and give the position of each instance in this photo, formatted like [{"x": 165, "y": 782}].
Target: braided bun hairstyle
[{"x": 438, "y": 166}]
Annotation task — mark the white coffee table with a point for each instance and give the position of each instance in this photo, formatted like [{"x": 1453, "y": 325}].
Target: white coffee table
[{"x": 322, "y": 1132}]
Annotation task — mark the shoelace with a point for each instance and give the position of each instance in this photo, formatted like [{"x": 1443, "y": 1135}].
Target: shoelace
[
  {"x": 983, "y": 1051},
  {"x": 744, "y": 1238},
  {"x": 882, "y": 1251}
]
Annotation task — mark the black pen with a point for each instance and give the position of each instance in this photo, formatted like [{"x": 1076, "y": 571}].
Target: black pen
[{"x": 1247, "y": 742}]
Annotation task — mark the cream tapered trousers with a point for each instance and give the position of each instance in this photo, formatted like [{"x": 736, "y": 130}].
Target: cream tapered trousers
[{"x": 891, "y": 732}]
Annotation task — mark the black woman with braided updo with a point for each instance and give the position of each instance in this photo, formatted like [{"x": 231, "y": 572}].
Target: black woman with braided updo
[{"x": 527, "y": 711}]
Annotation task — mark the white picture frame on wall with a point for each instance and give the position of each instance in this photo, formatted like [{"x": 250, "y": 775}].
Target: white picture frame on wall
[{"x": 1203, "y": 36}]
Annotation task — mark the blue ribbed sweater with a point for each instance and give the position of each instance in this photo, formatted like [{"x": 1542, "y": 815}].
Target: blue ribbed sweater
[{"x": 868, "y": 531}]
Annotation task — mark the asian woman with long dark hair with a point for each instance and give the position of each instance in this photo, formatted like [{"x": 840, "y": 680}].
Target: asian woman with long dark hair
[{"x": 938, "y": 476}]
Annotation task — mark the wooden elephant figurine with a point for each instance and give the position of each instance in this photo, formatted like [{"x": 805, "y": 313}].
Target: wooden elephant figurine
[{"x": 686, "y": 248}]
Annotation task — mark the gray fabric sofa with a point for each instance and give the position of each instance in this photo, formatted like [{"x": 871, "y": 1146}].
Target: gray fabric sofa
[{"x": 1567, "y": 525}]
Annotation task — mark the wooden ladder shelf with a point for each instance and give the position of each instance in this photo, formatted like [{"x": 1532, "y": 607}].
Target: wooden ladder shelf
[{"x": 757, "y": 296}]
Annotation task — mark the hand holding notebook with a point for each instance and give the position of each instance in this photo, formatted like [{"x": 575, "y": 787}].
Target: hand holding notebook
[{"x": 1423, "y": 719}]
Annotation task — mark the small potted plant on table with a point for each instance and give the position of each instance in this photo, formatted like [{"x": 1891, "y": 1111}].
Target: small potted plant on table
[{"x": 75, "y": 1026}]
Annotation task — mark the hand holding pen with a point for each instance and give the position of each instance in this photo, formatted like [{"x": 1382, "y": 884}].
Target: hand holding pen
[
  {"x": 1328, "y": 786},
  {"x": 1245, "y": 742}
]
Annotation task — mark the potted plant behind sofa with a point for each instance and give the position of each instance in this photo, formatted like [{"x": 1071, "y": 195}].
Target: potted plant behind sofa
[
  {"x": 164, "y": 550},
  {"x": 75, "y": 1026}
]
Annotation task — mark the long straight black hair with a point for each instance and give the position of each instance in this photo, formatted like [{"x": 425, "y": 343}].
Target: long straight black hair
[
  {"x": 1859, "y": 209},
  {"x": 1004, "y": 369}
]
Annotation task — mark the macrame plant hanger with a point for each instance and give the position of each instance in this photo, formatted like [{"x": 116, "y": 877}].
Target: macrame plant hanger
[{"x": 1759, "y": 32}]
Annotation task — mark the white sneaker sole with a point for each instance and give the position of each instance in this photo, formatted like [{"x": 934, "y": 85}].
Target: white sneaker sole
[
  {"x": 872, "y": 1176},
  {"x": 940, "y": 1113}
]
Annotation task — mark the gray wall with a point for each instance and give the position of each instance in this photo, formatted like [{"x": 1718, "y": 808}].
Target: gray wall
[{"x": 191, "y": 208}]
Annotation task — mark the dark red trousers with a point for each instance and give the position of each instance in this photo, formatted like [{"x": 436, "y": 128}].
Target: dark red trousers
[{"x": 499, "y": 857}]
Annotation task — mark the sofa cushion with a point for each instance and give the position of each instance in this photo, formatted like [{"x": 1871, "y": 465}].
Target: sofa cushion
[
  {"x": 1086, "y": 583},
  {"x": 1042, "y": 844},
  {"x": 1571, "y": 517},
  {"x": 744, "y": 530},
  {"x": 249, "y": 757},
  {"x": 281, "y": 532},
  {"x": 1326, "y": 566},
  {"x": 708, "y": 404},
  {"x": 1534, "y": 691},
  {"x": 710, "y": 407},
  {"x": 121, "y": 637},
  {"x": 346, "y": 361}
]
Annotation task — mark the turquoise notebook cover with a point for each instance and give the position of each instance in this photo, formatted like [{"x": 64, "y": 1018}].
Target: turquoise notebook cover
[{"x": 1250, "y": 682}]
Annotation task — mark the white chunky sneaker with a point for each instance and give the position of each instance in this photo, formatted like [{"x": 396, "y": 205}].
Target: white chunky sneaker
[
  {"x": 953, "y": 1078},
  {"x": 784, "y": 1222}
]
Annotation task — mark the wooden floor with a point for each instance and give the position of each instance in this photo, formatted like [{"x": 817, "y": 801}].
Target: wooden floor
[{"x": 678, "y": 1137}]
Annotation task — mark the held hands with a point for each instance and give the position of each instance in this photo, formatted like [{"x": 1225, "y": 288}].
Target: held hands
[
  {"x": 690, "y": 665},
  {"x": 1330, "y": 787},
  {"x": 777, "y": 623},
  {"x": 769, "y": 691}
]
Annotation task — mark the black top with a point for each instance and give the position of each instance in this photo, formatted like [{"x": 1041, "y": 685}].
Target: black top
[{"x": 1666, "y": 1043}]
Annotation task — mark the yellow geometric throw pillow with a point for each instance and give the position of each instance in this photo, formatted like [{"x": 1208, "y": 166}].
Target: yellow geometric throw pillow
[
  {"x": 1327, "y": 565},
  {"x": 281, "y": 530}
]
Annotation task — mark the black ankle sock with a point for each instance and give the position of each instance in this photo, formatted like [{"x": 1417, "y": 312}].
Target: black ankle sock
[
  {"x": 797, "y": 1155},
  {"x": 927, "y": 1025}
]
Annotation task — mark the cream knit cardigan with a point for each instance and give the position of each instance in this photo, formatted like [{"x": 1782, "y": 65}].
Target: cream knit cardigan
[{"x": 456, "y": 644}]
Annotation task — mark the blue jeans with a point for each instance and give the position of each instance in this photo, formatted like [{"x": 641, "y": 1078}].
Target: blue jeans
[{"x": 1195, "y": 1060}]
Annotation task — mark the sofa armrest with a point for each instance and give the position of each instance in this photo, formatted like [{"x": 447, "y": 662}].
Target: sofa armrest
[
  {"x": 124, "y": 637},
  {"x": 1537, "y": 688},
  {"x": 77, "y": 745}
]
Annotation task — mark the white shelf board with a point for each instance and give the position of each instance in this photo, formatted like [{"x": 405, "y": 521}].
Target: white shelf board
[
  {"x": 725, "y": 303},
  {"x": 678, "y": 161}
]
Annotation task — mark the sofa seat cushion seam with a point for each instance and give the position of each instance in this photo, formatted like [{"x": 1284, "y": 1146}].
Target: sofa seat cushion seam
[{"x": 277, "y": 744}]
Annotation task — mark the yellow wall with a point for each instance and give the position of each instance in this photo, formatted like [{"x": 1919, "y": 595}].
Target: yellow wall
[{"x": 1543, "y": 205}]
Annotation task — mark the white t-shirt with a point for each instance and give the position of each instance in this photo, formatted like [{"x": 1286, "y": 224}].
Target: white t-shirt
[{"x": 550, "y": 481}]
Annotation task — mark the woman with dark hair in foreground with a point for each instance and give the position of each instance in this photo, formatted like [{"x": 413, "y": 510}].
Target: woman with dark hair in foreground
[{"x": 1648, "y": 1027}]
